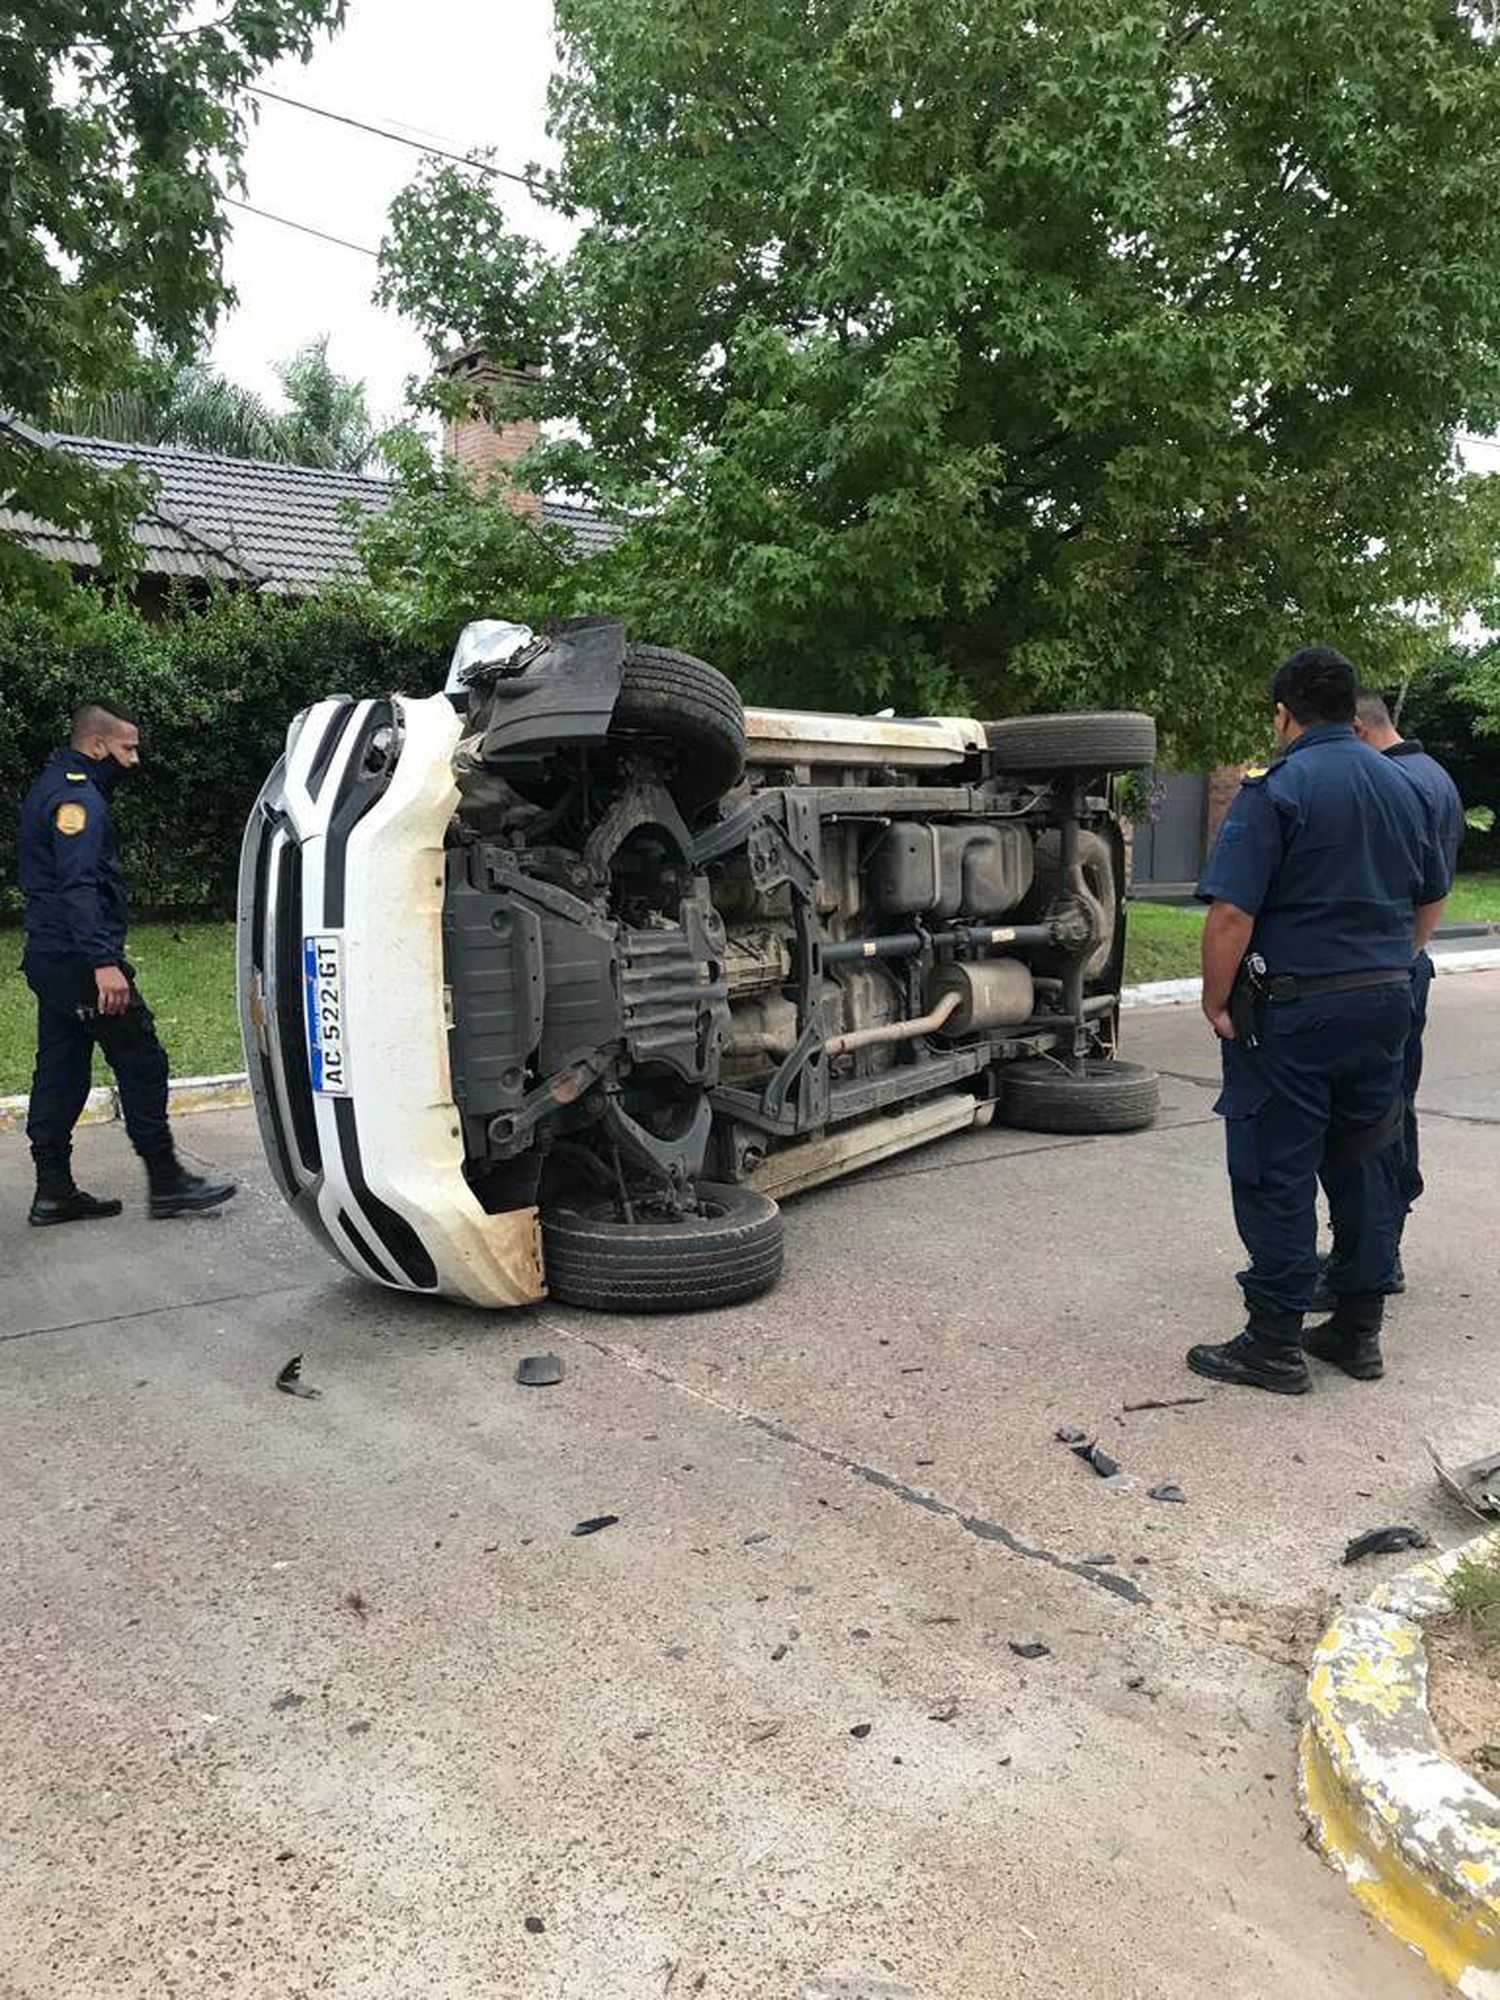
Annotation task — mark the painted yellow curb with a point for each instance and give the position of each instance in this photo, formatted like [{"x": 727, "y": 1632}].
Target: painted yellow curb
[
  {"x": 188, "y": 1093},
  {"x": 1416, "y": 1836}
]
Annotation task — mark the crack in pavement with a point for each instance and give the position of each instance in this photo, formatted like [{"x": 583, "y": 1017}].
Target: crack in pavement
[
  {"x": 1183, "y": 1076},
  {"x": 872, "y": 1475},
  {"x": 873, "y": 1176},
  {"x": 149, "y": 1312}
]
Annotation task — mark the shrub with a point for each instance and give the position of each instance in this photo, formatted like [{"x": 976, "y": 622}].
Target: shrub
[{"x": 215, "y": 686}]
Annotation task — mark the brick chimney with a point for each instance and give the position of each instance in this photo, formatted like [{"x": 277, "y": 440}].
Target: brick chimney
[{"x": 486, "y": 450}]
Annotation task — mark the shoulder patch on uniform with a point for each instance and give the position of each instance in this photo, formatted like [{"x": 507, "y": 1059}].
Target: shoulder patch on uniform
[
  {"x": 71, "y": 817},
  {"x": 1254, "y": 773},
  {"x": 78, "y": 777}
]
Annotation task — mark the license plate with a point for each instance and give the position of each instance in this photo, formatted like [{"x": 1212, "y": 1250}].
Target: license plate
[{"x": 323, "y": 988}]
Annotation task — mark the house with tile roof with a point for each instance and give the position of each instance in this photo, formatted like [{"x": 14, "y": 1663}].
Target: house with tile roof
[{"x": 257, "y": 524}]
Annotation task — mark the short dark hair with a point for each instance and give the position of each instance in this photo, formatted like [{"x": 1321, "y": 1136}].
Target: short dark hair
[
  {"x": 97, "y": 715},
  {"x": 1316, "y": 685},
  {"x": 1373, "y": 709}
]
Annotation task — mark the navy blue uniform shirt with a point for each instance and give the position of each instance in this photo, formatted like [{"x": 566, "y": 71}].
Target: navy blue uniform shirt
[
  {"x": 1440, "y": 792},
  {"x": 1331, "y": 851},
  {"x": 69, "y": 862}
]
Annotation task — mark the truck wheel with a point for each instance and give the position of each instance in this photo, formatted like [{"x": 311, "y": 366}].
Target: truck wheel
[
  {"x": 1041, "y": 1096},
  {"x": 731, "y": 1250},
  {"x": 1108, "y": 741},
  {"x": 672, "y": 698}
]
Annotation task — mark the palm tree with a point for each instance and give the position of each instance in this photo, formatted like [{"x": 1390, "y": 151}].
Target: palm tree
[
  {"x": 328, "y": 423},
  {"x": 190, "y": 404}
]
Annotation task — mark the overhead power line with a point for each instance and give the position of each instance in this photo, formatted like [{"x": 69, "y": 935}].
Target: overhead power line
[
  {"x": 302, "y": 228},
  {"x": 400, "y": 139}
]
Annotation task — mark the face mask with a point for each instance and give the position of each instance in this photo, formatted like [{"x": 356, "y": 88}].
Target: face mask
[{"x": 106, "y": 773}]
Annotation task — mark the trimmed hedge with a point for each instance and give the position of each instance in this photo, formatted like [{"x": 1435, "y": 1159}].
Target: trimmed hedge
[{"x": 215, "y": 687}]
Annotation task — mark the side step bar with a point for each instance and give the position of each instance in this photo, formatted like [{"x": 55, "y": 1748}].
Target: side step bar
[{"x": 792, "y": 1168}]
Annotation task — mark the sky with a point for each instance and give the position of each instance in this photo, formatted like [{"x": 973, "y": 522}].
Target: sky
[{"x": 458, "y": 73}]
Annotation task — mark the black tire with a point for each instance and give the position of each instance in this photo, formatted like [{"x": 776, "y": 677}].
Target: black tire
[
  {"x": 1101, "y": 893},
  {"x": 1113, "y": 740},
  {"x": 672, "y": 698},
  {"x": 1040, "y": 1096},
  {"x": 729, "y": 1253}
]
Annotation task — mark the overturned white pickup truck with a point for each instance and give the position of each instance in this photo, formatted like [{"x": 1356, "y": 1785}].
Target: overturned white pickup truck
[{"x": 557, "y": 980}]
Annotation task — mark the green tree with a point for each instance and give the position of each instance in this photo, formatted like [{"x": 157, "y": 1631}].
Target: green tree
[
  {"x": 1053, "y": 354},
  {"x": 444, "y": 553},
  {"x": 119, "y": 126}
]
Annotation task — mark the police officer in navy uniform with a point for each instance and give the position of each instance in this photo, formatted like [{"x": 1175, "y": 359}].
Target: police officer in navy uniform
[
  {"x": 1373, "y": 725},
  {"x": 86, "y": 996},
  {"x": 1326, "y": 881}
]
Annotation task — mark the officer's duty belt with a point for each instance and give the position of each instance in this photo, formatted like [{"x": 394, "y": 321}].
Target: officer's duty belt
[{"x": 1281, "y": 985}]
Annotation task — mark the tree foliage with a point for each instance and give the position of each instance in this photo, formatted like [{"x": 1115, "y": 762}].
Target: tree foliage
[
  {"x": 119, "y": 126},
  {"x": 215, "y": 685},
  {"x": 1066, "y": 353},
  {"x": 444, "y": 553}
]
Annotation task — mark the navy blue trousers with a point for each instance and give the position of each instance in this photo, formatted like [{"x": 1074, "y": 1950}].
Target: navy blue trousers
[
  {"x": 68, "y": 1029},
  {"x": 1320, "y": 1097}
]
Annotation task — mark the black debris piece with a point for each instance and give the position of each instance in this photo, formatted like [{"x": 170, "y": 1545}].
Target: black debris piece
[
  {"x": 1385, "y": 1542},
  {"x": 861, "y": 1730},
  {"x": 1164, "y": 1403},
  {"x": 755, "y": 1541},
  {"x": 594, "y": 1523},
  {"x": 1096, "y": 1456},
  {"x": 1168, "y": 1491},
  {"x": 290, "y": 1381},
  {"x": 1068, "y": 1434},
  {"x": 535, "y": 1925},
  {"x": 859, "y": 1631},
  {"x": 286, "y": 1854},
  {"x": 779, "y": 1652},
  {"x": 286, "y": 1701},
  {"x": 1029, "y": 1649},
  {"x": 1097, "y": 1562},
  {"x": 359, "y": 1728},
  {"x": 944, "y": 1712},
  {"x": 538, "y": 1371}
]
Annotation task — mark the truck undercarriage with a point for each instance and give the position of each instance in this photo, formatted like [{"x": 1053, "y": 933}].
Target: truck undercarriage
[{"x": 694, "y": 959}]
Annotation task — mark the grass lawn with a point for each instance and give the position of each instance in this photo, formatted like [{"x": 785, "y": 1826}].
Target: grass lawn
[
  {"x": 1162, "y": 942},
  {"x": 1475, "y": 899},
  {"x": 186, "y": 972}
]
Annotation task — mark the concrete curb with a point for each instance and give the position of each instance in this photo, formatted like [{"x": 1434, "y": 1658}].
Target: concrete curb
[
  {"x": 1416, "y": 1836},
  {"x": 188, "y": 1093},
  {"x": 232, "y": 1093}
]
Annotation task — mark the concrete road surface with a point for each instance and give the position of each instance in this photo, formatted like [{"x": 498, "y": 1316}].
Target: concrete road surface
[{"x": 324, "y": 1698}]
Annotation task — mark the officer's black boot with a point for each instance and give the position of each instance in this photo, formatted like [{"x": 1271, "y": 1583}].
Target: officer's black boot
[
  {"x": 1351, "y": 1339},
  {"x": 58, "y": 1200},
  {"x": 174, "y": 1191},
  {"x": 1267, "y": 1355},
  {"x": 74, "y": 1206}
]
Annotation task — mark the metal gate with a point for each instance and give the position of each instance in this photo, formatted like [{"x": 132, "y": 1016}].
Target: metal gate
[{"x": 1168, "y": 851}]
